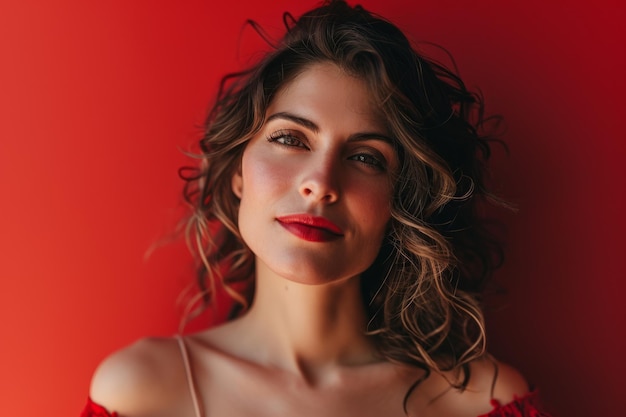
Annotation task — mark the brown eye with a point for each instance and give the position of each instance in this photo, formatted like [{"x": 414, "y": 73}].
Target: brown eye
[
  {"x": 369, "y": 160},
  {"x": 286, "y": 138}
]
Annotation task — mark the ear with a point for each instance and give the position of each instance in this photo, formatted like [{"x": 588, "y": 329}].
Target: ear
[{"x": 236, "y": 182}]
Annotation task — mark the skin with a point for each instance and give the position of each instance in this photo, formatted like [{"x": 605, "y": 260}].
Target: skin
[
  {"x": 324, "y": 154},
  {"x": 301, "y": 349}
]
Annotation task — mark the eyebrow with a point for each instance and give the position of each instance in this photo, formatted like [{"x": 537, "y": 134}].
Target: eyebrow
[{"x": 363, "y": 136}]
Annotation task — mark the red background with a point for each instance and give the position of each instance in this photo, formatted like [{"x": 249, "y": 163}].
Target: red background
[{"x": 96, "y": 98}]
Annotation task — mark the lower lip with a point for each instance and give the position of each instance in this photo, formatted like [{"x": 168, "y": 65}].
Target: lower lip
[{"x": 309, "y": 233}]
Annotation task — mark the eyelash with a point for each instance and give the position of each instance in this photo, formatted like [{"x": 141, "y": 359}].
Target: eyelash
[
  {"x": 368, "y": 159},
  {"x": 374, "y": 161},
  {"x": 283, "y": 134}
]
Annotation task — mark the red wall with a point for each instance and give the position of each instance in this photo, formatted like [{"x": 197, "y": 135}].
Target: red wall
[{"x": 97, "y": 97}]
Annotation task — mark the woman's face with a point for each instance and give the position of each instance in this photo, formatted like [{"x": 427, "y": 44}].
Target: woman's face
[{"x": 315, "y": 184}]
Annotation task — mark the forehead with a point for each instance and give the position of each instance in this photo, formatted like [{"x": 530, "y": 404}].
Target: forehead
[{"x": 325, "y": 92}]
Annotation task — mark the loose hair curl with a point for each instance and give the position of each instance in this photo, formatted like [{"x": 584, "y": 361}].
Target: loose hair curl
[{"x": 422, "y": 290}]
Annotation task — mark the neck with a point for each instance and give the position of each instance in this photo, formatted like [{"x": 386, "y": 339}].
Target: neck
[{"x": 308, "y": 328}]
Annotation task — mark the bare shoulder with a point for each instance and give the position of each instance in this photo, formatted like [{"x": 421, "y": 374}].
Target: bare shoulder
[
  {"x": 504, "y": 381},
  {"x": 510, "y": 383},
  {"x": 489, "y": 379},
  {"x": 140, "y": 378}
]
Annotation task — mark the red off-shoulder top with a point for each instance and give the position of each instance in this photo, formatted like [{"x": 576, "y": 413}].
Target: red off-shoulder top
[{"x": 526, "y": 406}]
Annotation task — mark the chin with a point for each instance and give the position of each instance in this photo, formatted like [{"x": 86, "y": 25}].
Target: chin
[{"x": 313, "y": 273}]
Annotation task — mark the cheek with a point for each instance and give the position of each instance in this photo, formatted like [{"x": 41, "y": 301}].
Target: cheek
[
  {"x": 372, "y": 202},
  {"x": 262, "y": 176}
]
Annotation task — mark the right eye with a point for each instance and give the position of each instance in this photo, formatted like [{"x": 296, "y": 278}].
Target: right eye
[{"x": 286, "y": 138}]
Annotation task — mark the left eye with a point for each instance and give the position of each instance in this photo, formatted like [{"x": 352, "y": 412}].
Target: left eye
[
  {"x": 289, "y": 141},
  {"x": 286, "y": 138},
  {"x": 370, "y": 160}
]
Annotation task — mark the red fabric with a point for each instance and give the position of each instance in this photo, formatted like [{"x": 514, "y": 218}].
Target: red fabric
[
  {"x": 526, "y": 406},
  {"x": 94, "y": 410}
]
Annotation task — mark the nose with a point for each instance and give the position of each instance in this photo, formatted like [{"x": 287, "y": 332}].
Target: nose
[{"x": 320, "y": 182}]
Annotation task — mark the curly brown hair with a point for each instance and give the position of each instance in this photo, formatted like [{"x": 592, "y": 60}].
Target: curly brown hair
[{"x": 422, "y": 290}]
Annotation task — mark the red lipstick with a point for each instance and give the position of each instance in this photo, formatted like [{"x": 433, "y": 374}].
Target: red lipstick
[{"x": 310, "y": 228}]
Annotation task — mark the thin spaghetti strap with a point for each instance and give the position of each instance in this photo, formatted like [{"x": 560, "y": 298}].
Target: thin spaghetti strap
[{"x": 192, "y": 386}]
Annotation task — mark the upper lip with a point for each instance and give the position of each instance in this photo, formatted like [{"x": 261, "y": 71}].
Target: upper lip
[{"x": 313, "y": 221}]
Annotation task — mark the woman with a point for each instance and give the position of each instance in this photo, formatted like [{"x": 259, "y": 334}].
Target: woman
[{"x": 337, "y": 203}]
